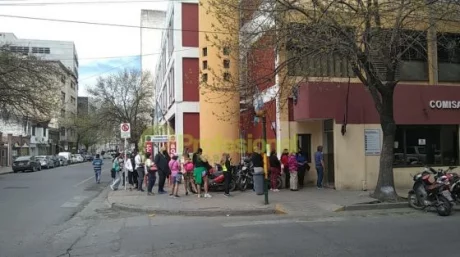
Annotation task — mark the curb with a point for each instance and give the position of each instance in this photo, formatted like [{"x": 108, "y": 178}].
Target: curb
[
  {"x": 202, "y": 213},
  {"x": 279, "y": 209},
  {"x": 378, "y": 206},
  {"x": 8, "y": 172}
]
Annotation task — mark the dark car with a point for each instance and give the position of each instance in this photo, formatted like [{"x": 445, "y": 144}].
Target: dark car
[
  {"x": 62, "y": 161},
  {"x": 24, "y": 163},
  {"x": 56, "y": 160},
  {"x": 89, "y": 157}
]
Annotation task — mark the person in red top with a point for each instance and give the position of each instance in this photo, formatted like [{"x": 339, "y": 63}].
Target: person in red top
[{"x": 285, "y": 162}]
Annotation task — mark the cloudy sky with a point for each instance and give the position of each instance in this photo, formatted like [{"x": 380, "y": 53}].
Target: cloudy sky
[{"x": 93, "y": 42}]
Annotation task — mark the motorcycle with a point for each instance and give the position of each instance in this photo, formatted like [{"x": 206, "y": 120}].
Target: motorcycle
[
  {"x": 425, "y": 194},
  {"x": 216, "y": 179},
  {"x": 245, "y": 173},
  {"x": 453, "y": 178}
]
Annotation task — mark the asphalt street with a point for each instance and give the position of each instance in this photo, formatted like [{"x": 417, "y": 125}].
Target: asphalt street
[
  {"x": 33, "y": 203},
  {"x": 62, "y": 212}
]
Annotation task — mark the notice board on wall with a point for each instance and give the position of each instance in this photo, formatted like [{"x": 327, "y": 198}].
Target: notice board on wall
[{"x": 372, "y": 143}]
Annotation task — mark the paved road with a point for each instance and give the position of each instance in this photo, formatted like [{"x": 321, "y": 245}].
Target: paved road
[{"x": 32, "y": 203}]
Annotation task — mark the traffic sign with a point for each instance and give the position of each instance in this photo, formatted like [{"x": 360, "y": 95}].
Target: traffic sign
[{"x": 125, "y": 130}]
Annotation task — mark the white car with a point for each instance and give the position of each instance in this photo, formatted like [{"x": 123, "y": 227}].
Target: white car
[{"x": 79, "y": 158}]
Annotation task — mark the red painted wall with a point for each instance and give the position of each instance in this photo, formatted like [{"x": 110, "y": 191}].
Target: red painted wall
[
  {"x": 190, "y": 25},
  {"x": 247, "y": 124},
  {"x": 411, "y": 104},
  {"x": 190, "y": 79},
  {"x": 261, "y": 63},
  {"x": 192, "y": 128}
]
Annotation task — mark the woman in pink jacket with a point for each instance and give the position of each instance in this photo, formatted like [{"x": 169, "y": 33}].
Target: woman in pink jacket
[{"x": 293, "y": 168}]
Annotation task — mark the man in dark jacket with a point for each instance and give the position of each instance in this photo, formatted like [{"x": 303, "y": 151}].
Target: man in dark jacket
[{"x": 162, "y": 163}]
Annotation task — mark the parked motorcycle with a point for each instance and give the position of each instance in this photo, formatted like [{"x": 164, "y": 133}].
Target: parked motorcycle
[
  {"x": 454, "y": 180},
  {"x": 216, "y": 179},
  {"x": 245, "y": 175},
  {"x": 425, "y": 194}
]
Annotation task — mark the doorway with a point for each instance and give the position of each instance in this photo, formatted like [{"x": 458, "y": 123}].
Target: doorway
[
  {"x": 304, "y": 143},
  {"x": 328, "y": 153}
]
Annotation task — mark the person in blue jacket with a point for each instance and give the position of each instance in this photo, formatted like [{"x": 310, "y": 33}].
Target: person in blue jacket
[{"x": 97, "y": 164}]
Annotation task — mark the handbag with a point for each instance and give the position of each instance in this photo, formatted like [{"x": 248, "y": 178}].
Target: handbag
[{"x": 113, "y": 172}]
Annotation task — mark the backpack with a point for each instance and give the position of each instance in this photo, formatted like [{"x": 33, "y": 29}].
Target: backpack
[{"x": 189, "y": 167}]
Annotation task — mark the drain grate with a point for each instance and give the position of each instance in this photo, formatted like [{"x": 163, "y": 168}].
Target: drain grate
[{"x": 16, "y": 188}]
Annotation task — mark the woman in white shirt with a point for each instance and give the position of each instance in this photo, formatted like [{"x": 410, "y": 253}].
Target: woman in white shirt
[{"x": 130, "y": 169}]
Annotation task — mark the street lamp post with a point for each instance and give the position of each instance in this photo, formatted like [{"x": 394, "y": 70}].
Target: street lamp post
[{"x": 261, "y": 114}]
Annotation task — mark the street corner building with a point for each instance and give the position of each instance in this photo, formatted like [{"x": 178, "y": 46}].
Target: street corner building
[{"x": 331, "y": 108}]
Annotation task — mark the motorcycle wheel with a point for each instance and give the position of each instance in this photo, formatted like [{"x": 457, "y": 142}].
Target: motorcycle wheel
[
  {"x": 443, "y": 207},
  {"x": 243, "y": 184},
  {"x": 413, "y": 201},
  {"x": 232, "y": 186}
]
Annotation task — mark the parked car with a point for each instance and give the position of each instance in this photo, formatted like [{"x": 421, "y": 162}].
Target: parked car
[
  {"x": 89, "y": 157},
  {"x": 63, "y": 161},
  {"x": 56, "y": 161},
  {"x": 66, "y": 155},
  {"x": 79, "y": 158},
  {"x": 73, "y": 159},
  {"x": 45, "y": 161},
  {"x": 24, "y": 163}
]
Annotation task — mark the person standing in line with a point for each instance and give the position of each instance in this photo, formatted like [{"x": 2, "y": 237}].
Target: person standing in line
[
  {"x": 293, "y": 169},
  {"x": 176, "y": 175},
  {"x": 303, "y": 167},
  {"x": 140, "y": 171},
  {"x": 275, "y": 170},
  {"x": 97, "y": 164},
  {"x": 226, "y": 169},
  {"x": 116, "y": 167},
  {"x": 134, "y": 173},
  {"x": 151, "y": 172},
  {"x": 188, "y": 176},
  {"x": 320, "y": 167},
  {"x": 285, "y": 163},
  {"x": 129, "y": 168},
  {"x": 161, "y": 162},
  {"x": 257, "y": 162}
]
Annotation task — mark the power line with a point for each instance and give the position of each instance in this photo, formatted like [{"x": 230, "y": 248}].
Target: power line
[
  {"x": 109, "y": 24},
  {"x": 24, "y": 3}
]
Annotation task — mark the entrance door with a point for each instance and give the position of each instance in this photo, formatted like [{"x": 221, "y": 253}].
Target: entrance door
[
  {"x": 328, "y": 152},
  {"x": 304, "y": 143}
]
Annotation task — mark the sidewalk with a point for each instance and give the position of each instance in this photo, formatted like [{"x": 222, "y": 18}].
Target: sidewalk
[
  {"x": 305, "y": 202},
  {"x": 5, "y": 170}
]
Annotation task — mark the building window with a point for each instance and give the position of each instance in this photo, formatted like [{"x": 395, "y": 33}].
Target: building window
[
  {"x": 426, "y": 145},
  {"x": 62, "y": 113},
  {"x": 204, "y": 77},
  {"x": 72, "y": 85},
  {"x": 449, "y": 57},
  {"x": 33, "y": 130},
  {"x": 226, "y": 51},
  {"x": 226, "y": 64},
  {"x": 62, "y": 98},
  {"x": 20, "y": 49},
  {"x": 205, "y": 51},
  {"x": 44, "y": 132},
  {"x": 205, "y": 65},
  {"x": 63, "y": 79},
  {"x": 227, "y": 76},
  {"x": 40, "y": 50},
  {"x": 72, "y": 100},
  {"x": 63, "y": 131}
]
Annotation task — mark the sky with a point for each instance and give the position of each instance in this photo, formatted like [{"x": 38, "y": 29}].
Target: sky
[{"x": 92, "y": 41}]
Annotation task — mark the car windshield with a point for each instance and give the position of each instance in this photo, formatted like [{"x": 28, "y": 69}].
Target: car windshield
[
  {"x": 23, "y": 158},
  {"x": 41, "y": 157}
]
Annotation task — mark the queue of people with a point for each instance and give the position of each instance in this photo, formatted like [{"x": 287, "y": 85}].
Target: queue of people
[{"x": 194, "y": 171}]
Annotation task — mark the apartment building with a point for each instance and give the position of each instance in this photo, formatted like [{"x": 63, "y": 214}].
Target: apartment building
[
  {"x": 24, "y": 136},
  {"x": 177, "y": 76}
]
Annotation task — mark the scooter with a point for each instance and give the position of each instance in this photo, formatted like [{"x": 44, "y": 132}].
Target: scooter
[
  {"x": 216, "y": 179},
  {"x": 425, "y": 194},
  {"x": 245, "y": 175},
  {"x": 453, "y": 178}
]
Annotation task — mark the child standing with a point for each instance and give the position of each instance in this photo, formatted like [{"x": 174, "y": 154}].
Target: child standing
[
  {"x": 293, "y": 168},
  {"x": 176, "y": 175},
  {"x": 97, "y": 164}
]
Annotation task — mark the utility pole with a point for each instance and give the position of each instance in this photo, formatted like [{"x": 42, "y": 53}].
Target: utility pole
[{"x": 261, "y": 114}]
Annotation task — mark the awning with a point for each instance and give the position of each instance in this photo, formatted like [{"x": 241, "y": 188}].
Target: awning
[{"x": 25, "y": 145}]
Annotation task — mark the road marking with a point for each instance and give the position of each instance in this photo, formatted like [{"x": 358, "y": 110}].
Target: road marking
[
  {"x": 86, "y": 180},
  {"x": 274, "y": 222},
  {"x": 70, "y": 204}
]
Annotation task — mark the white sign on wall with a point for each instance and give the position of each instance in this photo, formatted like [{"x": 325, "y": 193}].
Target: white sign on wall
[
  {"x": 444, "y": 104},
  {"x": 372, "y": 143}
]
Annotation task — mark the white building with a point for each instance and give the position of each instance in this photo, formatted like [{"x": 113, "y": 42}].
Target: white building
[
  {"x": 52, "y": 50},
  {"x": 149, "y": 38},
  {"x": 176, "y": 76}
]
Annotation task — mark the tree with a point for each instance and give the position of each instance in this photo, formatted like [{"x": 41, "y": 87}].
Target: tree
[
  {"x": 28, "y": 86},
  {"x": 124, "y": 97},
  {"x": 370, "y": 37}
]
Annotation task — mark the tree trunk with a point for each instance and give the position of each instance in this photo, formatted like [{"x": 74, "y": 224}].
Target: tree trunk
[{"x": 385, "y": 189}]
